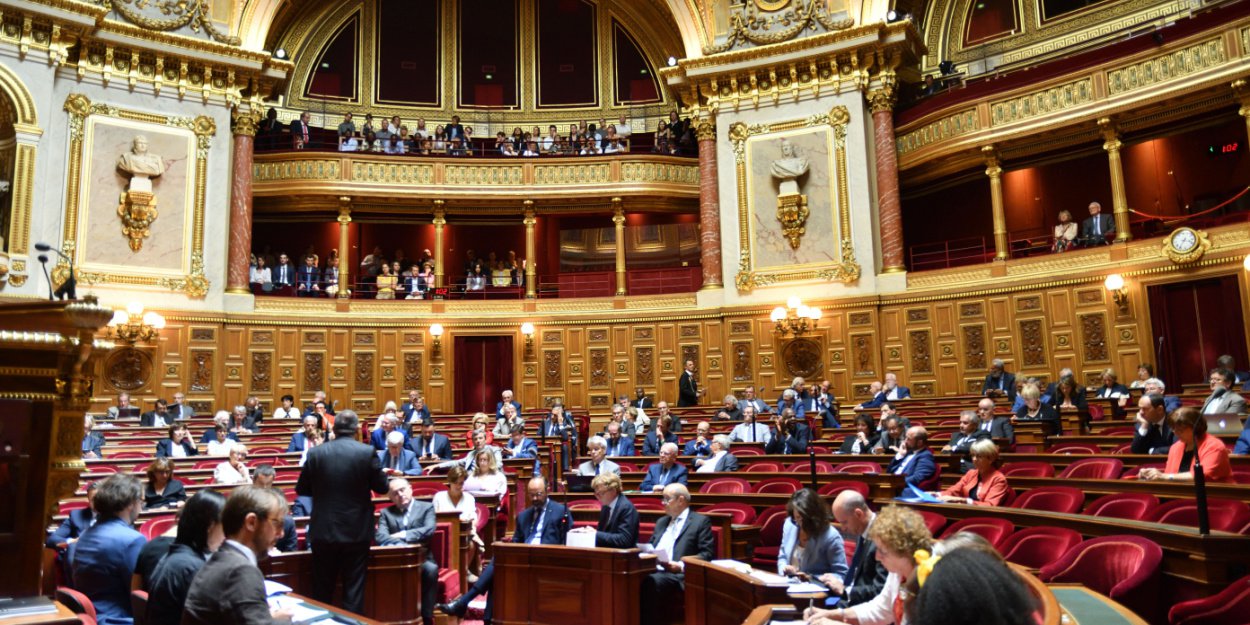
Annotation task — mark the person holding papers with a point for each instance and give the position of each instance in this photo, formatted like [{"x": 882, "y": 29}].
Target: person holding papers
[
  {"x": 679, "y": 533},
  {"x": 984, "y": 485},
  {"x": 810, "y": 546},
  {"x": 618, "y": 519}
]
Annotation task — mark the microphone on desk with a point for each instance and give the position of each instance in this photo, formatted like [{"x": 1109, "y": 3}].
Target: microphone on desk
[
  {"x": 43, "y": 261},
  {"x": 68, "y": 289},
  {"x": 1200, "y": 497},
  {"x": 811, "y": 461}
]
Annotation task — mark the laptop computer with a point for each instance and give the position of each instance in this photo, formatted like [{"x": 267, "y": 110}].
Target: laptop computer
[
  {"x": 1223, "y": 424},
  {"x": 579, "y": 483}
]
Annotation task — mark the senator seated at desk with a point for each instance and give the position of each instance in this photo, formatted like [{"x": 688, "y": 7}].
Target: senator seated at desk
[
  {"x": 1193, "y": 445},
  {"x": 680, "y": 532},
  {"x": 720, "y": 459},
  {"x": 666, "y": 471},
  {"x": 409, "y": 521},
  {"x": 811, "y": 548},
  {"x": 618, "y": 518},
  {"x": 984, "y": 485}
]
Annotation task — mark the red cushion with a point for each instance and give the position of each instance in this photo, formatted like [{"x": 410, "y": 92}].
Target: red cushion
[
  {"x": 1226, "y": 515},
  {"x": 1094, "y": 469},
  {"x": 1125, "y": 568},
  {"x": 1028, "y": 469},
  {"x": 1123, "y": 506},
  {"x": 831, "y": 489},
  {"x": 741, "y": 513},
  {"x": 449, "y": 585},
  {"x": 993, "y": 529},
  {"x": 1036, "y": 547},
  {"x": 1063, "y": 499},
  {"x": 1229, "y": 607}
]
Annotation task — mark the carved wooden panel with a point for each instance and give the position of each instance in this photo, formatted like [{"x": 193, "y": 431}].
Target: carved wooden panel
[
  {"x": 742, "y": 362},
  {"x": 922, "y": 389},
  {"x": 689, "y": 331},
  {"x": 921, "y": 351},
  {"x": 598, "y": 335},
  {"x": 862, "y": 348},
  {"x": 365, "y": 338},
  {"x": 364, "y": 370},
  {"x": 740, "y": 327},
  {"x": 1094, "y": 337},
  {"x": 600, "y": 400},
  {"x": 971, "y": 309},
  {"x": 974, "y": 347},
  {"x": 551, "y": 368},
  {"x": 643, "y": 334},
  {"x": 1028, "y": 304},
  {"x": 599, "y": 368},
  {"x": 802, "y": 357},
  {"x": 262, "y": 337},
  {"x": 203, "y": 334},
  {"x": 262, "y": 372},
  {"x": 644, "y": 366},
  {"x": 412, "y": 370},
  {"x": 553, "y": 336},
  {"x": 201, "y": 371},
  {"x": 1032, "y": 343},
  {"x": 127, "y": 369},
  {"x": 314, "y": 372},
  {"x": 973, "y": 386},
  {"x": 860, "y": 319},
  {"x": 315, "y": 338},
  {"x": 916, "y": 315},
  {"x": 690, "y": 352}
]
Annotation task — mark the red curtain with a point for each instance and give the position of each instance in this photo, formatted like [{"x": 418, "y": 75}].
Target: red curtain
[
  {"x": 483, "y": 371},
  {"x": 1194, "y": 323}
]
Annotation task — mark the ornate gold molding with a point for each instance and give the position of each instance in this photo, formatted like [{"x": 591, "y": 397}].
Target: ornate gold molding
[
  {"x": 194, "y": 283},
  {"x": 193, "y": 14},
  {"x": 759, "y": 23},
  {"x": 844, "y": 268}
]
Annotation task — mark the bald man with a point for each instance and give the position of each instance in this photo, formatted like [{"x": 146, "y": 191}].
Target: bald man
[
  {"x": 867, "y": 575},
  {"x": 680, "y": 532}
]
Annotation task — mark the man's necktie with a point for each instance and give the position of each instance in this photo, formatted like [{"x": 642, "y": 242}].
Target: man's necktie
[{"x": 596, "y": 469}]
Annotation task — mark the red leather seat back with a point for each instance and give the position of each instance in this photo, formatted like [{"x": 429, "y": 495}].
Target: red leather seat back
[
  {"x": 1226, "y": 515},
  {"x": 993, "y": 529},
  {"x": 1051, "y": 499},
  {"x": 778, "y": 485},
  {"x": 726, "y": 485},
  {"x": 1094, "y": 469},
  {"x": 1123, "y": 506},
  {"x": 1228, "y": 607},
  {"x": 831, "y": 489},
  {"x": 763, "y": 467},
  {"x": 1036, "y": 547},
  {"x": 741, "y": 513},
  {"x": 1028, "y": 469},
  {"x": 860, "y": 467}
]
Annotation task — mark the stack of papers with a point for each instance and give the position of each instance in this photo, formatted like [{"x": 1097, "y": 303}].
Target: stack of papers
[
  {"x": 300, "y": 611},
  {"x": 25, "y": 606},
  {"x": 660, "y": 554}
]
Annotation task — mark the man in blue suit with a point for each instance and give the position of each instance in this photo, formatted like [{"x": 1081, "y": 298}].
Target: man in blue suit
[
  {"x": 390, "y": 423},
  {"x": 104, "y": 557},
  {"x": 544, "y": 522},
  {"x": 915, "y": 463},
  {"x": 999, "y": 383},
  {"x": 309, "y": 279},
  {"x": 305, "y": 438},
  {"x": 507, "y": 399},
  {"x": 701, "y": 444},
  {"x": 92, "y": 442},
  {"x": 76, "y": 522},
  {"x": 430, "y": 445},
  {"x": 397, "y": 461},
  {"x": 618, "y": 446},
  {"x": 890, "y": 391},
  {"x": 660, "y": 435},
  {"x": 618, "y": 518},
  {"x": 664, "y": 472},
  {"x": 521, "y": 447},
  {"x": 415, "y": 410}
]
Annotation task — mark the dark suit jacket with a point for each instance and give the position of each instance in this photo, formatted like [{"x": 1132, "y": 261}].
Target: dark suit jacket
[
  {"x": 651, "y": 446},
  {"x": 527, "y": 449},
  {"x": 290, "y": 540},
  {"x": 796, "y": 443},
  {"x": 1156, "y": 440},
  {"x": 1052, "y": 397},
  {"x": 1106, "y": 225},
  {"x": 181, "y": 411},
  {"x": 920, "y": 472},
  {"x": 297, "y": 443},
  {"x": 408, "y": 410},
  {"x": 620, "y": 531},
  {"x": 418, "y": 528},
  {"x": 1008, "y": 385},
  {"x": 961, "y": 445},
  {"x": 279, "y": 279},
  {"x": 645, "y": 403},
  {"x": 103, "y": 560},
  {"x": 407, "y": 461},
  {"x": 867, "y": 576},
  {"x": 93, "y": 442},
  {"x": 378, "y": 438},
  {"x": 568, "y": 425},
  {"x": 75, "y": 523},
  {"x": 727, "y": 462},
  {"x": 229, "y": 589},
  {"x": 687, "y": 390},
  {"x": 338, "y": 475},
  {"x": 677, "y": 473},
  {"x": 210, "y": 435},
  {"x": 440, "y": 446},
  {"x": 148, "y": 418},
  {"x": 556, "y": 524},
  {"x": 309, "y": 277},
  {"x": 880, "y": 398},
  {"x": 693, "y": 448},
  {"x": 165, "y": 447},
  {"x": 1001, "y": 427},
  {"x": 173, "y": 493},
  {"x": 1046, "y": 414},
  {"x": 499, "y": 409},
  {"x": 1106, "y": 391},
  {"x": 848, "y": 444},
  {"x": 624, "y": 446},
  {"x": 695, "y": 538}
]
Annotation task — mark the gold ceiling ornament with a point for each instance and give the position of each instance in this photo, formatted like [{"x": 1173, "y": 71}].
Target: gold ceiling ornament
[
  {"x": 748, "y": 25},
  {"x": 195, "y": 14},
  {"x": 1185, "y": 245}
]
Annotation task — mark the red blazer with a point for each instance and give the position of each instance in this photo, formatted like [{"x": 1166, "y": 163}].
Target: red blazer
[
  {"x": 992, "y": 491},
  {"x": 1211, "y": 452}
]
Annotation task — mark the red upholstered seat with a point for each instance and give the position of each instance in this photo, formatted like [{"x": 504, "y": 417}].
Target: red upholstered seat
[
  {"x": 1028, "y": 469},
  {"x": 422, "y": 489},
  {"x": 648, "y": 503},
  {"x": 770, "y": 520},
  {"x": 831, "y": 489},
  {"x": 822, "y": 466},
  {"x": 993, "y": 529},
  {"x": 1123, "y": 448},
  {"x": 1123, "y": 505},
  {"x": 932, "y": 520},
  {"x": 1036, "y": 547},
  {"x": 1228, "y": 607},
  {"x": 139, "y": 606},
  {"x": 1241, "y": 476},
  {"x": 130, "y": 455},
  {"x": 1093, "y": 469},
  {"x": 266, "y": 450},
  {"x": 645, "y": 530},
  {"x": 1126, "y": 430},
  {"x": 934, "y": 481},
  {"x": 1074, "y": 448},
  {"x": 820, "y": 449},
  {"x": 861, "y": 467},
  {"x": 1051, "y": 499},
  {"x": 70, "y": 506},
  {"x": 584, "y": 504},
  {"x": 627, "y": 467},
  {"x": 1095, "y": 413},
  {"x": 1228, "y": 515},
  {"x": 763, "y": 467},
  {"x": 778, "y": 485},
  {"x": 101, "y": 468},
  {"x": 726, "y": 485},
  {"x": 207, "y": 464},
  {"x": 142, "y": 467},
  {"x": 748, "y": 451},
  {"x": 741, "y": 513},
  {"x": 77, "y": 602},
  {"x": 483, "y": 516},
  {"x": 1125, "y": 568},
  {"x": 152, "y": 528}
]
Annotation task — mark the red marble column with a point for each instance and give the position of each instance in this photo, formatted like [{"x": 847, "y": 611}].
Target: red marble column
[
  {"x": 709, "y": 206},
  {"x": 237, "y": 271},
  {"x": 889, "y": 210}
]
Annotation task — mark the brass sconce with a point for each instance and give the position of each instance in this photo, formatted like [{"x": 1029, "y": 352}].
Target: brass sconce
[
  {"x": 436, "y": 331},
  {"x": 794, "y": 318},
  {"x": 133, "y": 325},
  {"x": 1119, "y": 292},
  {"x": 527, "y": 330}
]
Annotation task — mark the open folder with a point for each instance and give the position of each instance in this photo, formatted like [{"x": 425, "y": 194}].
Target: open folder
[{"x": 912, "y": 494}]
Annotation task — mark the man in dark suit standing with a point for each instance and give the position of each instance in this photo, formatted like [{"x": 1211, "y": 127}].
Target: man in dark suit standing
[
  {"x": 544, "y": 522},
  {"x": 998, "y": 426},
  {"x": 230, "y": 588},
  {"x": 1099, "y": 228},
  {"x": 338, "y": 475},
  {"x": 618, "y": 518},
  {"x": 790, "y": 436},
  {"x": 299, "y": 131},
  {"x": 1152, "y": 434},
  {"x": 430, "y": 445},
  {"x": 999, "y": 383},
  {"x": 680, "y": 532},
  {"x": 455, "y": 130},
  {"x": 687, "y": 387},
  {"x": 961, "y": 442},
  {"x": 867, "y": 575},
  {"x": 410, "y": 521}
]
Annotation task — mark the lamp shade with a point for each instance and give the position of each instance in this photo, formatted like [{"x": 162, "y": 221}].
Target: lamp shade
[
  {"x": 1114, "y": 282},
  {"x": 527, "y": 329},
  {"x": 436, "y": 329},
  {"x": 778, "y": 314}
]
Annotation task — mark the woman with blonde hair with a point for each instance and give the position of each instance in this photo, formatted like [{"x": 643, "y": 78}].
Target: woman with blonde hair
[
  {"x": 984, "y": 485},
  {"x": 162, "y": 490},
  {"x": 487, "y": 480},
  {"x": 480, "y": 422},
  {"x": 1065, "y": 232}
]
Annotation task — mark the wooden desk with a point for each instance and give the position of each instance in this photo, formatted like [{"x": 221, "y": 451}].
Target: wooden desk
[
  {"x": 313, "y": 603},
  {"x": 558, "y": 585},
  {"x": 716, "y": 595},
  {"x": 63, "y": 616},
  {"x": 1083, "y": 606},
  {"x": 765, "y": 614}
]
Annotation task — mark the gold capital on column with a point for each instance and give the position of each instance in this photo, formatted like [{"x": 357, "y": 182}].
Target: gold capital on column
[
  {"x": 440, "y": 220},
  {"x": 705, "y": 130},
  {"x": 883, "y": 94},
  {"x": 531, "y": 274},
  {"x": 244, "y": 123},
  {"x": 345, "y": 220},
  {"x": 1119, "y": 200},
  {"x": 994, "y": 170},
  {"x": 1241, "y": 89},
  {"x": 618, "y": 218}
]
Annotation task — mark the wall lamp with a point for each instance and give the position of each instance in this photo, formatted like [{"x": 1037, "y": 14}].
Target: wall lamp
[
  {"x": 1119, "y": 292},
  {"x": 436, "y": 331},
  {"x": 794, "y": 318},
  {"x": 527, "y": 330},
  {"x": 132, "y": 325},
  {"x": 1246, "y": 263}
]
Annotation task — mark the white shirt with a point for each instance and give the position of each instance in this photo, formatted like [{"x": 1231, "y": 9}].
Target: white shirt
[
  {"x": 672, "y": 532},
  {"x": 623, "y": 130},
  {"x": 880, "y": 609},
  {"x": 225, "y": 473},
  {"x": 709, "y": 465},
  {"x": 176, "y": 450},
  {"x": 281, "y": 413},
  {"x": 260, "y": 275},
  {"x": 612, "y": 148},
  {"x": 892, "y": 394},
  {"x": 244, "y": 549},
  {"x": 219, "y": 449},
  {"x": 467, "y": 507},
  {"x": 742, "y": 433}
]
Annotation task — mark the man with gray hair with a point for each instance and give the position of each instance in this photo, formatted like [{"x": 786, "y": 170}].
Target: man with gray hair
[
  {"x": 720, "y": 459},
  {"x": 749, "y": 431},
  {"x": 999, "y": 383},
  {"x": 387, "y": 423},
  {"x": 679, "y": 533},
  {"x": 790, "y": 401},
  {"x": 397, "y": 461},
  {"x": 666, "y": 471},
  {"x": 597, "y": 449},
  {"x": 1155, "y": 386},
  {"x": 961, "y": 442},
  {"x": 506, "y": 398}
]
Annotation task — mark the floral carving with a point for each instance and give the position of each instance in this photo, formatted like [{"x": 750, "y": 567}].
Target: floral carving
[
  {"x": 642, "y": 334},
  {"x": 644, "y": 366},
  {"x": 1094, "y": 336},
  {"x": 598, "y": 368},
  {"x": 860, "y": 319},
  {"x": 128, "y": 369},
  {"x": 598, "y": 335},
  {"x": 314, "y": 372},
  {"x": 364, "y": 370},
  {"x": 262, "y": 363},
  {"x": 690, "y": 352},
  {"x": 863, "y": 355},
  {"x": 974, "y": 347},
  {"x": 742, "y": 362},
  {"x": 689, "y": 331},
  {"x": 802, "y": 357},
  {"x": 921, "y": 352},
  {"x": 740, "y": 327},
  {"x": 915, "y": 315},
  {"x": 1025, "y": 304},
  {"x": 262, "y": 336},
  {"x": 412, "y": 370},
  {"x": 971, "y": 309},
  {"x": 551, "y": 369},
  {"x": 202, "y": 371},
  {"x": 1033, "y": 346},
  {"x": 203, "y": 334}
]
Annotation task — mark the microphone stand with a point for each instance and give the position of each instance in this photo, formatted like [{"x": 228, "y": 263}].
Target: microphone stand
[
  {"x": 43, "y": 262},
  {"x": 1200, "y": 496},
  {"x": 811, "y": 462}
]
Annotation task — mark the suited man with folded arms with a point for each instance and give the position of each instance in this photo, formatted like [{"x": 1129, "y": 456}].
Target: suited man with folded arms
[
  {"x": 544, "y": 522},
  {"x": 397, "y": 461},
  {"x": 230, "y": 588},
  {"x": 339, "y": 475},
  {"x": 701, "y": 444},
  {"x": 680, "y": 532},
  {"x": 666, "y": 471},
  {"x": 1152, "y": 434},
  {"x": 410, "y": 521},
  {"x": 430, "y": 445},
  {"x": 867, "y": 575}
]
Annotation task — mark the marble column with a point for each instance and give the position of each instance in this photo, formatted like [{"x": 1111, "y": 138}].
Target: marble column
[
  {"x": 440, "y": 220},
  {"x": 1119, "y": 200},
  {"x": 618, "y": 218},
  {"x": 531, "y": 276},
  {"x": 238, "y": 269},
  {"x": 889, "y": 209},
  {"x": 345, "y": 219},
  {"x": 709, "y": 211},
  {"x": 994, "y": 170}
]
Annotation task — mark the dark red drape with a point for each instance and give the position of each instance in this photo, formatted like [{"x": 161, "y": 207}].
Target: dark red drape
[
  {"x": 1196, "y": 322},
  {"x": 483, "y": 371}
]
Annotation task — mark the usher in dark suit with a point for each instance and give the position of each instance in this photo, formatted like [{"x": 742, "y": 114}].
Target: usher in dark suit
[{"x": 661, "y": 588}]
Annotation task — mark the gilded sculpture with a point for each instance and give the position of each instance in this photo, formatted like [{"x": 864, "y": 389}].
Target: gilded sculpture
[
  {"x": 137, "y": 206},
  {"x": 791, "y": 205}
]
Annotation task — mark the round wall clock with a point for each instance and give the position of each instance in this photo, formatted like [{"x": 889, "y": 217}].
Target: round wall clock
[{"x": 1185, "y": 245}]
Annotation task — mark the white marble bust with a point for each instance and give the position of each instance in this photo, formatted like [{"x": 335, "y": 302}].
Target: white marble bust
[
  {"x": 141, "y": 165},
  {"x": 789, "y": 168}
]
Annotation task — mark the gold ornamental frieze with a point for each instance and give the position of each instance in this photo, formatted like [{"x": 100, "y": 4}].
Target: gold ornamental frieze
[
  {"x": 599, "y": 173},
  {"x": 391, "y": 173},
  {"x": 1045, "y": 101},
  {"x": 1175, "y": 64},
  {"x": 949, "y": 127}
]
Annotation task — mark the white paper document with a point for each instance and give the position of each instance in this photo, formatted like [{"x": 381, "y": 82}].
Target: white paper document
[
  {"x": 660, "y": 554},
  {"x": 803, "y": 588},
  {"x": 274, "y": 588},
  {"x": 300, "y": 612},
  {"x": 580, "y": 539}
]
